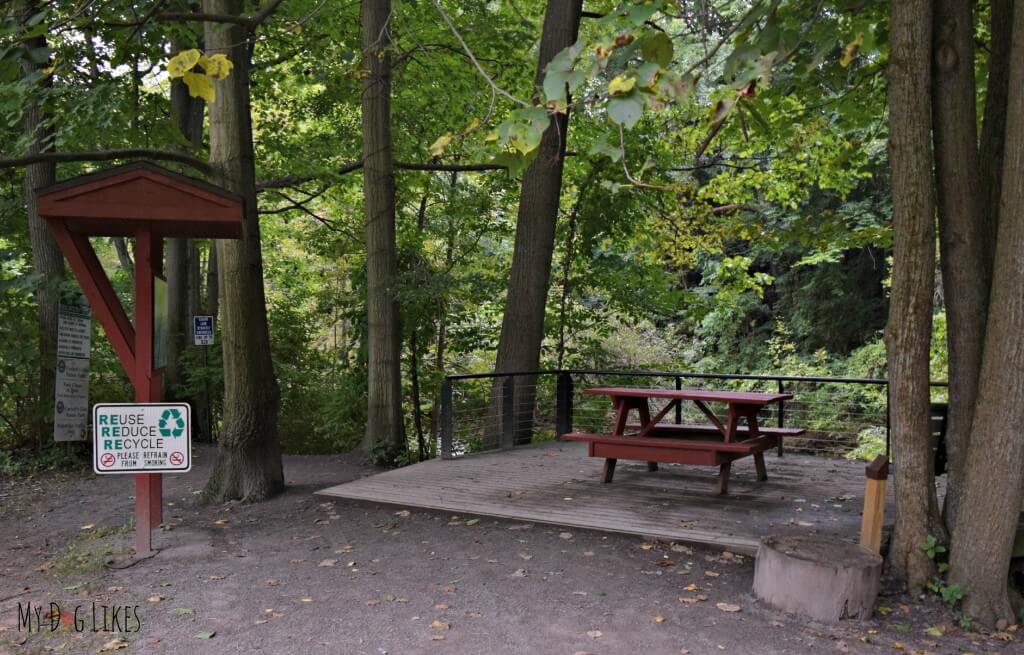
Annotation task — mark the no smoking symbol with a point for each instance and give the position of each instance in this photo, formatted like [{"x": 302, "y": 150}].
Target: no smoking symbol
[
  {"x": 177, "y": 459},
  {"x": 107, "y": 460}
]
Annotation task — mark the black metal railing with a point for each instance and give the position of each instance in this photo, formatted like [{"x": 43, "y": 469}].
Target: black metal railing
[{"x": 486, "y": 411}]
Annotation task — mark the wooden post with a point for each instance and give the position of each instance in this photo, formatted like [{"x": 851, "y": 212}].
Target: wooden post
[
  {"x": 874, "y": 504},
  {"x": 148, "y": 486}
]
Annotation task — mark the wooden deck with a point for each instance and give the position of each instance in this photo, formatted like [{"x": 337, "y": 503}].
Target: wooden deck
[{"x": 557, "y": 483}]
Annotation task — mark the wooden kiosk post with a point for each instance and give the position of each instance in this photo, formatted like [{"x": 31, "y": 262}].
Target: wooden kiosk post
[{"x": 148, "y": 203}]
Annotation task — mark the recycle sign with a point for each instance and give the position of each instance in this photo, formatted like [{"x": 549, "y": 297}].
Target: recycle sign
[{"x": 171, "y": 423}]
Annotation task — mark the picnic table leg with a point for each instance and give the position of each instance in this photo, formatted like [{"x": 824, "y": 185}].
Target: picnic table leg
[
  {"x": 762, "y": 474},
  {"x": 644, "y": 410},
  {"x": 723, "y": 479},
  {"x": 609, "y": 470}
]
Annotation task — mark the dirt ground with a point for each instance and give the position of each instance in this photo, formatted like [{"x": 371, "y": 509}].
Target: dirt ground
[{"x": 301, "y": 575}]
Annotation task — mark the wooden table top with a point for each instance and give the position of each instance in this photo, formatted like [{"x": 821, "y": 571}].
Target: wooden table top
[{"x": 707, "y": 395}]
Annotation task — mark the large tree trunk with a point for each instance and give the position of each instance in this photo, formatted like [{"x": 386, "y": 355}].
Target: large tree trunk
[
  {"x": 47, "y": 260},
  {"x": 522, "y": 326},
  {"x": 385, "y": 426},
  {"x": 908, "y": 333},
  {"x": 993, "y": 129},
  {"x": 964, "y": 261},
  {"x": 248, "y": 465},
  {"x": 984, "y": 535}
]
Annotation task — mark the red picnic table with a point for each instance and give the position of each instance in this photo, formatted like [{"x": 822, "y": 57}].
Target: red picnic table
[{"x": 716, "y": 443}]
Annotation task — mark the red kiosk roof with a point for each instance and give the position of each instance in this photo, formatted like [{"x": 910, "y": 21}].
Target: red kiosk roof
[{"x": 116, "y": 201}]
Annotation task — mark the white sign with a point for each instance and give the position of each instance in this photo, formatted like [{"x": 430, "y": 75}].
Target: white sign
[
  {"x": 202, "y": 330},
  {"x": 71, "y": 389},
  {"x": 142, "y": 438}
]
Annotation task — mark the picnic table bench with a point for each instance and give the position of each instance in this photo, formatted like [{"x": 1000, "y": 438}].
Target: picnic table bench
[{"x": 716, "y": 443}]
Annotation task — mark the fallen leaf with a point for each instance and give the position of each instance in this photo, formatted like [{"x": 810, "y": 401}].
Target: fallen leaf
[
  {"x": 659, "y": 619},
  {"x": 595, "y": 634},
  {"x": 217, "y": 577},
  {"x": 156, "y": 598},
  {"x": 728, "y": 607},
  {"x": 183, "y": 611},
  {"x": 114, "y": 644},
  {"x": 437, "y": 624},
  {"x": 220, "y": 522},
  {"x": 90, "y": 526},
  {"x": 327, "y": 562},
  {"x": 525, "y": 556},
  {"x": 307, "y": 599},
  {"x": 934, "y": 631},
  {"x": 679, "y": 548},
  {"x": 646, "y": 546},
  {"x": 691, "y": 587},
  {"x": 519, "y": 573},
  {"x": 402, "y": 513},
  {"x": 114, "y": 590},
  {"x": 372, "y": 603},
  {"x": 565, "y": 535},
  {"x": 261, "y": 621},
  {"x": 205, "y": 634},
  {"x": 712, "y": 574},
  {"x": 472, "y": 521}
]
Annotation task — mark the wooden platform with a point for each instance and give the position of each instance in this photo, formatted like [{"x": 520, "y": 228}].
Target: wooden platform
[{"x": 557, "y": 483}]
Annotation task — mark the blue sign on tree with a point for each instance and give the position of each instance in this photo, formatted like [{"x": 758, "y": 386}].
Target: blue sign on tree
[{"x": 202, "y": 330}]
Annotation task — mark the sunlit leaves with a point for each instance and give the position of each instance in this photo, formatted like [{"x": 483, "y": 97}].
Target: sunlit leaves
[{"x": 200, "y": 84}]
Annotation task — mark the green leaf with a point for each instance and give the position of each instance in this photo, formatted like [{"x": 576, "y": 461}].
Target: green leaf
[
  {"x": 554, "y": 84},
  {"x": 601, "y": 147},
  {"x": 657, "y": 48},
  {"x": 205, "y": 634},
  {"x": 640, "y": 14},
  {"x": 647, "y": 75},
  {"x": 626, "y": 110}
]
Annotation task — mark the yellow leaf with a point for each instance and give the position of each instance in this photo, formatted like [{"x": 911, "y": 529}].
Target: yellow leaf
[
  {"x": 438, "y": 146},
  {"x": 217, "y": 67},
  {"x": 659, "y": 619},
  {"x": 439, "y": 625},
  {"x": 621, "y": 85},
  {"x": 473, "y": 124},
  {"x": 200, "y": 86},
  {"x": 934, "y": 631},
  {"x": 183, "y": 62},
  {"x": 595, "y": 634},
  {"x": 850, "y": 51}
]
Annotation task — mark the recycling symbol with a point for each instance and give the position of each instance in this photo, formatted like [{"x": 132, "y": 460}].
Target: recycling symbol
[{"x": 171, "y": 423}]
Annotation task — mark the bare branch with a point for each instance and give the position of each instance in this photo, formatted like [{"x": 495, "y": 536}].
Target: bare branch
[
  {"x": 107, "y": 155},
  {"x": 295, "y": 180}
]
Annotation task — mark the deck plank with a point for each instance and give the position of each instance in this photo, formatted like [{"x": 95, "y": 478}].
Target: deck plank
[{"x": 556, "y": 483}]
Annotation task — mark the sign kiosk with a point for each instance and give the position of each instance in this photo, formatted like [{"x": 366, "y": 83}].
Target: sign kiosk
[{"x": 149, "y": 203}]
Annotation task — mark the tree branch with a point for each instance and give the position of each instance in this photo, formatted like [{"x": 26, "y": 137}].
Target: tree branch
[
  {"x": 107, "y": 155},
  {"x": 294, "y": 180}
]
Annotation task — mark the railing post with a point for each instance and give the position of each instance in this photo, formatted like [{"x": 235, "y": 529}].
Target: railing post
[
  {"x": 782, "y": 415},
  {"x": 447, "y": 422},
  {"x": 679, "y": 406},
  {"x": 563, "y": 404},
  {"x": 888, "y": 449},
  {"x": 508, "y": 412}
]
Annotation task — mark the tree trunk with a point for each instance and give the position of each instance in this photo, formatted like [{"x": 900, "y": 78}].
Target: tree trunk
[
  {"x": 993, "y": 128},
  {"x": 47, "y": 260},
  {"x": 212, "y": 282},
  {"x": 385, "y": 426},
  {"x": 965, "y": 266},
  {"x": 522, "y": 326},
  {"x": 992, "y": 495},
  {"x": 124, "y": 256},
  {"x": 248, "y": 464},
  {"x": 908, "y": 333},
  {"x": 188, "y": 117}
]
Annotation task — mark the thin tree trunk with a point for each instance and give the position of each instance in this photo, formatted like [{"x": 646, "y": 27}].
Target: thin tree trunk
[
  {"x": 964, "y": 261},
  {"x": 248, "y": 464},
  {"x": 124, "y": 256},
  {"x": 994, "y": 480},
  {"x": 522, "y": 326},
  {"x": 212, "y": 281},
  {"x": 187, "y": 113},
  {"x": 47, "y": 260},
  {"x": 908, "y": 333},
  {"x": 993, "y": 127},
  {"x": 385, "y": 427},
  {"x": 563, "y": 304}
]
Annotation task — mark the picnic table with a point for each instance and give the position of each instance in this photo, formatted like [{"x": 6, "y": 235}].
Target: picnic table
[{"x": 716, "y": 443}]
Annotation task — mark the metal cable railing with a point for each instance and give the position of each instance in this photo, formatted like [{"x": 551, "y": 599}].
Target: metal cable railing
[{"x": 487, "y": 411}]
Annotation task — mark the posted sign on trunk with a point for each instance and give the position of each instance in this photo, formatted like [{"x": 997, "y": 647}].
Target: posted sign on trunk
[{"x": 142, "y": 438}]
